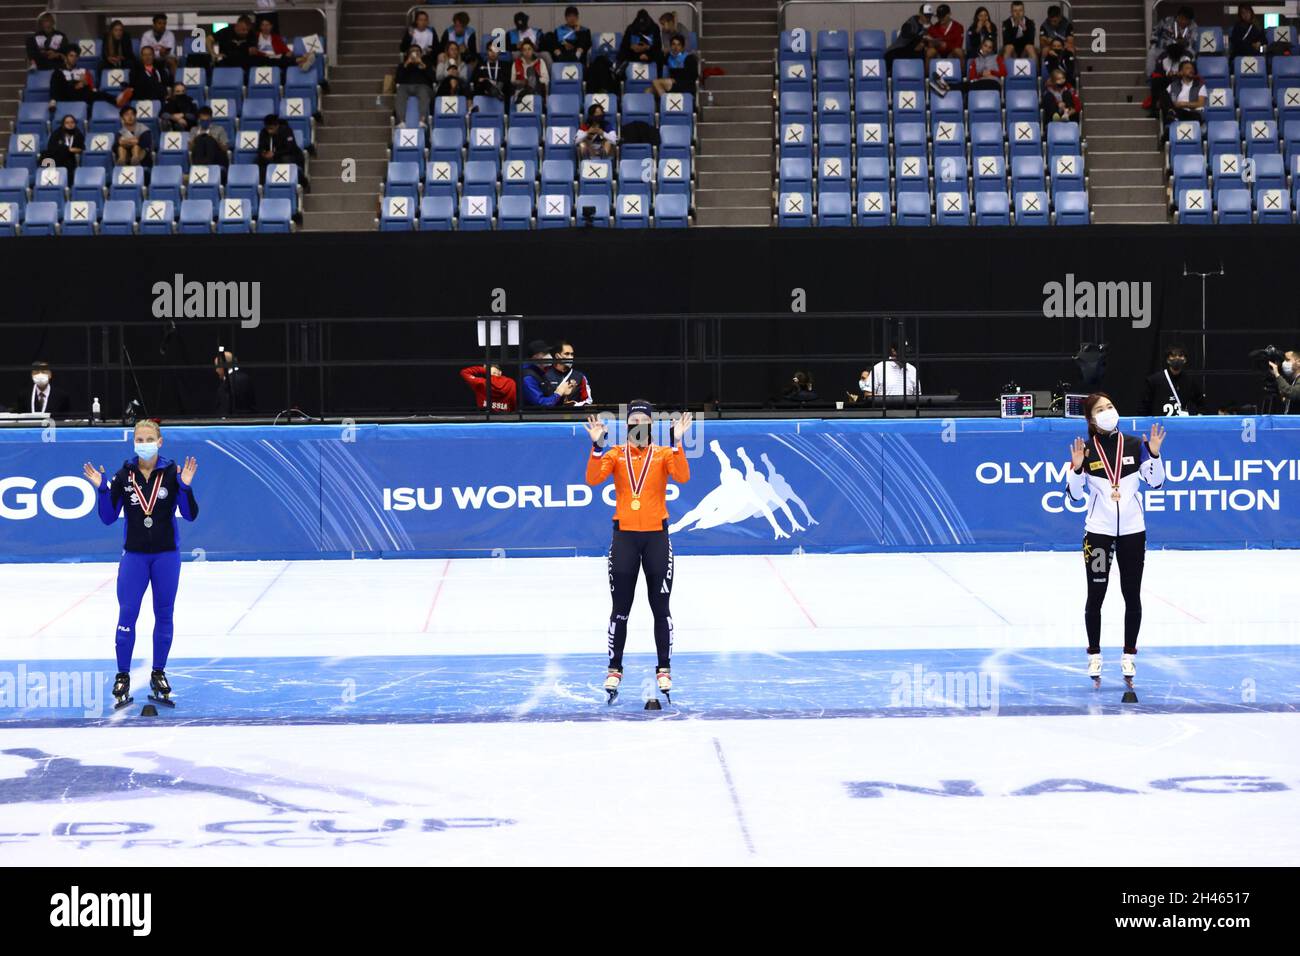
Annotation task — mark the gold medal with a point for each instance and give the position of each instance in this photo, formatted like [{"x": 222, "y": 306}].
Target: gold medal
[
  {"x": 636, "y": 504},
  {"x": 637, "y": 481}
]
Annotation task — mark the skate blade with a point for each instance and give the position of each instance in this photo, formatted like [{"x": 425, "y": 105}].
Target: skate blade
[
  {"x": 126, "y": 702},
  {"x": 162, "y": 700},
  {"x": 612, "y": 695}
]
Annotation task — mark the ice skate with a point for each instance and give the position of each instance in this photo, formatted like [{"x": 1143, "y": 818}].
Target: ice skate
[
  {"x": 612, "y": 682},
  {"x": 1094, "y": 669},
  {"x": 159, "y": 689},
  {"x": 1128, "y": 668},
  {"x": 122, "y": 690},
  {"x": 664, "y": 682}
]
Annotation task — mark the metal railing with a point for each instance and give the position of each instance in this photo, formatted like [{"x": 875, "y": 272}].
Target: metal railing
[{"x": 875, "y": 17}]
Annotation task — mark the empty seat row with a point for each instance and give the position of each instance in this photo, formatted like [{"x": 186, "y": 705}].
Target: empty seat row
[
  {"x": 156, "y": 217},
  {"x": 951, "y": 208},
  {"x": 516, "y": 211}
]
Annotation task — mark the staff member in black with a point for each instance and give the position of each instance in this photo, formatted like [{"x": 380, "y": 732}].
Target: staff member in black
[
  {"x": 1173, "y": 390},
  {"x": 44, "y": 397},
  {"x": 641, "y": 472},
  {"x": 235, "y": 394},
  {"x": 1107, "y": 471}
]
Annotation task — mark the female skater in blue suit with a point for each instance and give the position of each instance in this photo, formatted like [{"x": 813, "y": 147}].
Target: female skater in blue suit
[{"x": 149, "y": 490}]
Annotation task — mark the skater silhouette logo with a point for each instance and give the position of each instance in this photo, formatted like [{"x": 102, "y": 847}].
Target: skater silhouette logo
[{"x": 741, "y": 495}]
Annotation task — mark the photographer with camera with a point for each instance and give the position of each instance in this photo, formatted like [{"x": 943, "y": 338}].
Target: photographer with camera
[
  {"x": 596, "y": 136},
  {"x": 1287, "y": 379},
  {"x": 1173, "y": 391},
  {"x": 414, "y": 79}
]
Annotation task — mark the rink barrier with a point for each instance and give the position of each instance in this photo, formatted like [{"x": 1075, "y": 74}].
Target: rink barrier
[{"x": 518, "y": 490}]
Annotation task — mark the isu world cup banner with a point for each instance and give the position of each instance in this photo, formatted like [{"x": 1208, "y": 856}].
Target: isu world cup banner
[{"x": 518, "y": 490}]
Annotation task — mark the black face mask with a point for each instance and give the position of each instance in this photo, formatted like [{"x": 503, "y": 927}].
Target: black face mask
[
  {"x": 639, "y": 434},
  {"x": 1176, "y": 364}
]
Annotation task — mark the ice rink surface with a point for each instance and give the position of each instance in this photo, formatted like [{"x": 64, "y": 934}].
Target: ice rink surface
[{"x": 895, "y": 709}]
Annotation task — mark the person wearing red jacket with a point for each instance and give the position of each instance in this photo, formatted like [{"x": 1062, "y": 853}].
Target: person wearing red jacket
[
  {"x": 503, "y": 388},
  {"x": 949, "y": 33},
  {"x": 269, "y": 48}
]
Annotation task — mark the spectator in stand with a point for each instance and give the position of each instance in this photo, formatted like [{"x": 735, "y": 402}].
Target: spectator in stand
[
  {"x": 1178, "y": 28},
  {"x": 209, "y": 145},
  {"x": 276, "y": 144},
  {"x": 419, "y": 34},
  {"x": 149, "y": 80},
  {"x": 118, "y": 53},
  {"x": 1018, "y": 34},
  {"x": 800, "y": 389},
  {"x": 562, "y": 371},
  {"x": 45, "y": 47},
  {"x": 913, "y": 41},
  {"x": 44, "y": 397},
  {"x": 463, "y": 35},
  {"x": 986, "y": 68},
  {"x": 949, "y": 37},
  {"x": 682, "y": 69},
  {"x": 1287, "y": 380},
  {"x": 65, "y": 145},
  {"x": 522, "y": 32},
  {"x": 503, "y": 388},
  {"x": 134, "y": 140},
  {"x": 1056, "y": 27},
  {"x": 1056, "y": 56},
  {"x": 162, "y": 41},
  {"x": 491, "y": 76},
  {"x": 180, "y": 112},
  {"x": 571, "y": 41},
  {"x": 668, "y": 28},
  {"x": 888, "y": 378},
  {"x": 1184, "y": 97},
  {"x": 982, "y": 26},
  {"x": 233, "y": 46},
  {"x": 596, "y": 137},
  {"x": 642, "y": 43},
  {"x": 414, "y": 78},
  {"x": 1166, "y": 70},
  {"x": 74, "y": 83},
  {"x": 451, "y": 56},
  {"x": 1173, "y": 390},
  {"x": 270, "y": 49},
  {"x": 1060, "y": 102},
  {"x": 528, "y": 73},
  {"x": 538, "y": 392},
  {"x": 452, "y": 82},
  {"x": 1247, "y": 37}
]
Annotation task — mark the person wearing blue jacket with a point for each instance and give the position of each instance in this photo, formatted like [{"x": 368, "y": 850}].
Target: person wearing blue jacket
[
  {"x": 149, "y": 491},
  {"x": 539, "y": 392}
]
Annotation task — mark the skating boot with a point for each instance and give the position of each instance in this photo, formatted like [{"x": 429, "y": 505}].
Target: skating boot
[
  {"x": 159, "y": 689},
  {"x": 613, "y": 680},
  {"x": 1128, "y": 668},
  {"x": 664, "y": 681},
  {"x": 122, "y": 690},
  {"x": 1094, "y": 669}
]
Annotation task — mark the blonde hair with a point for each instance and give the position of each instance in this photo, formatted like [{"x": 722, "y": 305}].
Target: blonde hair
[{"x": 149, "y": 423}]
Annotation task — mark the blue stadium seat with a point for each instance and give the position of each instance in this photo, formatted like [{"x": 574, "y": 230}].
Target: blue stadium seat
[
  {"x": 873, "y": 207},
  {"x": 832, "y": 175},
  {"x": 1220, "y": 104},
  {"x": 157, "y": 218},
  {"x": 112, "y": 80},
  {"x": 13, "y": 187},
  {"x": 37, "y": 87},
  {"x": 948, "y": 106},
  {"x": 1223, "y": 137},
  {"x": 872, "y": 139},
  {"x": 80, "y": 217},
  {"x": 1255, "y": 103},
  {"x": 403, "y": 180},
  {"x": 523, "y": 142},
  {"x": 637, "y": 108},
  {"x": 1022, "y": 107},
  {"x": 1072, "y": 209},
  {"x": 118, "y": 218},
  {"x": 832, "y": 45},
  {"x": 638, "y": 77},
  {"x": 1185, "y": 136},
  {"x": 909, "y": 106},
  {"x": 227, "y": 82},
  {"x": 678, "y": 109},
  {"x": 992, "y": 208},
  {"x": 476, "y": 212},
  {"x": 1063, "y": 140},
  {"x": 264, "y": 81},
  {"x": 276, "y": 215},
  {"x": 204, "y": 183},
  {"x": 795, "y": 76},
  {"x": 873, "y": 174},
  {"x": 1195, "y": 207},
  {"x": 408, "y": 145},
  {"x": 235, "y": 215},
  {"x": 566, "y": 78},
  {"x": 33, "y": 118},
  {"x": 480, "y": 178},
  {"x": 1272, "y": 205},
  {"x": 908, "y": 74},
  {"x": 949, "y": 139},
  {"x": 913, "y": 208},
  {"x": 282, "y": 183},
  {"x": 447, "y": 143},
  {"x": 1032, "y": 208},
  {"x": 674, "y": 176},
  {"x": 794, "y": 175},
  {"x": 224, "y": 113},
  {"x": 397, "y": 214},
  {"x": 555, "y": 209},
  {"x": 99, "y": 151},
  {"x": 1287, "y": 101},
  {"x": 632, "y": 210},
  {"x": 1021, "y": 75},
  {"x": 1026, "y": 139},
  {"x": 1213, "y": 70},
  {"x": 674, "y": 142},
  {"x": 1261, "y": 138},
  {"x": 104, "y": 118},
  {"x": 1270, "y": 172},
  {"x": 24, "y": 148},
  {"x": 438, "y": 213},
  {"x": 41, "y": 219},
  {"x": 1209, "y": 40},
  {"x": 245, "y": 145},
  {"x": 1229, "y": 173},
  {"x": 1189, "y": 173},
  {"x": 986, "y": 139},
  {"x": 1234, "y": 207},
  {"x": 51, "y": 185},
  {"x": 951, "y": 206},
  {"x": 869, "y": 73},
  {"x": 869, "y": 42},
  {"x": 559, "y": 142},
  {"x": 242, "y": 182},
  {"x": 442, "y": 178},
  {"x": 596, "y": 177},
  {"x": 794, "y": 209},
  {"x": 519, "y": 178},
  {"x": 558, "y": 176},
  {"x": 948, "y": 69},
  {"x": 484, "y": 145},
  {"x": 950, "y": 172},
  {"x": 173, "y": 150},
  {"x": 986, "y": 107},
  {"x": 165, "y": 184},
  {"x": 991, "y": 174},
  {"x": 834, "y": 76},
  {"x": 833, "y": 108},
  {"x": 912, "y": 174},
  {"x": 592, "y": 209},
  {"x": 872, "y": 106},
  {"x": 526, "y": 111},
  {"x": 835, "y": 208},
  {"x": 910, "y": 139},
  {"x": 448, "y": 111},
  {"x": 1249, "y": 71},
  {"x": 196, "y": 216},
  {"x": 1067, "y": 174}
]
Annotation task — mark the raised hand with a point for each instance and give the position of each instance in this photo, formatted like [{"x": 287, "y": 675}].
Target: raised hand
[
  {"x": 1078, "y": 450},
  {"x": 1158, "y": 433},
  {"x": 93, "y": 475},
  {"x": 682, "y": 426},
  {"x": 187, "y": 473},
  {"x": 595, "y": 428}
]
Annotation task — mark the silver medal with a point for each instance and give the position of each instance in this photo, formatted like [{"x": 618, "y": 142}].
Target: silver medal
[{"x": 148, "y": 522}]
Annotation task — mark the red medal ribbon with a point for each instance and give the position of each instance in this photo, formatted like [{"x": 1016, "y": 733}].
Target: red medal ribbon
[
  {"x": 153, "y": 499},
  {"x": 1112, "y": 473},
  {"x": 636, "y": 482}
]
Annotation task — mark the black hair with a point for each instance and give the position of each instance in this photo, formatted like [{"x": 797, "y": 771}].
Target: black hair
[
  {"x": 1089, "y": 404},
  {"x": 1053, "y": 11},
  {"x": 570, "y": 10},
  {"x": 1186, "y": 12}
]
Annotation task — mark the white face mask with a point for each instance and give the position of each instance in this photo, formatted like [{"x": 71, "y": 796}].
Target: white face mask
[
  {"x": 146, "y": 450},
  {"x": 1108, "y": 420},
  {"x": 1288, "y": 367},
  {"x": 41, "y": 379},
  {"x": 862, "y": 384}
]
